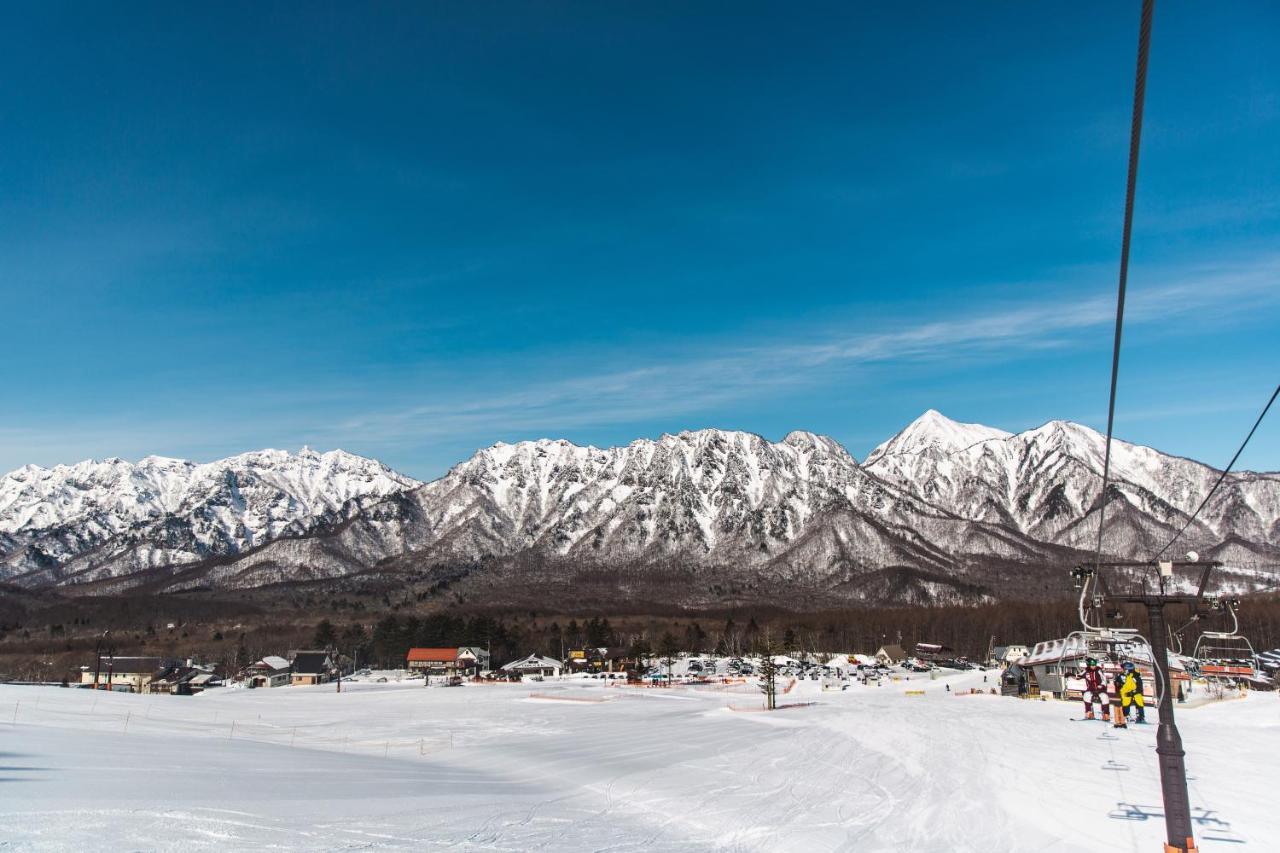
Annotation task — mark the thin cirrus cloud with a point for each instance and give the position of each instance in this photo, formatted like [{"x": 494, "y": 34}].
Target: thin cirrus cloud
[{"x": 686, "y": 386}]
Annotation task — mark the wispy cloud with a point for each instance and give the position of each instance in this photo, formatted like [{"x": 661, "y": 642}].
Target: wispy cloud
[
  {"x": 627, "y": 389},
  {"x": 675, "y": 387}
]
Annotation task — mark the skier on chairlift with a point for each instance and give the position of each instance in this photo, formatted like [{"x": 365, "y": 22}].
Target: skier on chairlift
[{"x": 1095, "y": 690}]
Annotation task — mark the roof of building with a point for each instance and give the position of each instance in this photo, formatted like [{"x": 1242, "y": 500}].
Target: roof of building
[
  {"x": 274, "y": 662},
  {"x": 432, "y": 655},
  {"x": 1073, "y": 649},
  {"x": 311, "y": 663},
  {"x": 894, "y": 651},
  {"x": 132, "y": 665},
  {"x": 532, "y": 662}
]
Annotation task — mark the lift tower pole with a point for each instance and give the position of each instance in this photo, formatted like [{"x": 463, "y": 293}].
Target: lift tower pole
[{"x": 1173, "y": 770}]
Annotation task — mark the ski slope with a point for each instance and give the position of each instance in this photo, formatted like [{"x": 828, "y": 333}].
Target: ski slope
[{"x": 577, "y": 765}]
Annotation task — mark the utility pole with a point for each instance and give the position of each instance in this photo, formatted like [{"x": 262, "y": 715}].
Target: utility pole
[
  {"x": 97, "y": 653},
  {"x": 1173, "y": 770}
]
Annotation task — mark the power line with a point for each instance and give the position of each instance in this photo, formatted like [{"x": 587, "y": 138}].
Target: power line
[
  {"x": 1135, "y": 138},
  {"x": 1223, "y": 475}
]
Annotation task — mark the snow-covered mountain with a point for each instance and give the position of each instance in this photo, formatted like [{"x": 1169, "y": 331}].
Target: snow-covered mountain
[
  {"x": 941, "y": 510},
  {"x": 934, "y": 433},
  {"x": 115, "y": 517},
  {"x": 800, "y": 512},
  {"x": 1046, "y": 482}
]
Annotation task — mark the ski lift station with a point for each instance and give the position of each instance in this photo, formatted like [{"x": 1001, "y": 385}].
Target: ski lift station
[{"x": 1053, "y": 666}]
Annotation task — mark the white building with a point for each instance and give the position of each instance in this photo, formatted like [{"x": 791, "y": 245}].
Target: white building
[
  {"x": 534, "y": 665},
  {"x": 473, "y": 659},
  {"x": 271, "y": 671},
  {"x": 121, "y": 673}
]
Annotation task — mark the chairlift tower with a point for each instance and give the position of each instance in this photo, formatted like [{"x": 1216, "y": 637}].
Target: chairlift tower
[{"x": 1156, "y": 596}]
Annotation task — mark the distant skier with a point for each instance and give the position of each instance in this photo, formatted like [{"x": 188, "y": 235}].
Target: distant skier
[{"x": 1095, "y": 690}]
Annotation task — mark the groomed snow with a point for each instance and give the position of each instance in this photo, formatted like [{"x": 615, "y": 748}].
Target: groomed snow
[{"x": 526, "y": 767}]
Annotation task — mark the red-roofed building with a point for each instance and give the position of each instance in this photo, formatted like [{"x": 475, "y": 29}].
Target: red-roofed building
[{"x": 433, "y": 661}]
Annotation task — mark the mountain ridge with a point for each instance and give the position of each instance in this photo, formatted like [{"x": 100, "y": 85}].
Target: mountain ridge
[{"x": 940, "y": 499}]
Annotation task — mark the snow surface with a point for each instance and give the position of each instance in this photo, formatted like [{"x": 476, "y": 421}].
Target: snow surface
[{"x": 533, "y": 767}]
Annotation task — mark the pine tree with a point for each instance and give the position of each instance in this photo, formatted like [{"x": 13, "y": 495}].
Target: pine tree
[
  {"x": 325, "y": 635},
  {"x": 768, "y": 674},
  {"x": 668, "y": 648},
  {"x": 640, "y": 650}
]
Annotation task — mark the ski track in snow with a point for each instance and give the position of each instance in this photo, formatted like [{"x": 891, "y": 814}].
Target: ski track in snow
[{"x": 390, "y": 767}]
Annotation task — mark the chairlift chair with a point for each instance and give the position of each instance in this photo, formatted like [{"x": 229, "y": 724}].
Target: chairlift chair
[
  {"x": 1110, "y": 646},
  {"x": 1099, "y": 641},
  {"x": 1226, "y": 655}
]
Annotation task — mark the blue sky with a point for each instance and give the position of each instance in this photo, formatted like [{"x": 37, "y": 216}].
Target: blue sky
[{"x": 410, "y": 230}]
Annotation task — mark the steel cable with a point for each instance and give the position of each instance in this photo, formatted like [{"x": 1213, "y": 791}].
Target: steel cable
[
  {"x": 1223, "y": 475},
  {"x": 1135, "y": 138}
]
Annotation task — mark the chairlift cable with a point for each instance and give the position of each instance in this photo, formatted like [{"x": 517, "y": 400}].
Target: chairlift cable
[
  {"x": 1223, "y": 475},
  {"x": 1135, "y": 138}
]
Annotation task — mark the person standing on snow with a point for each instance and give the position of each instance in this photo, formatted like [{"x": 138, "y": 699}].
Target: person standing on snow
[{"x": 1095, "y": 690}]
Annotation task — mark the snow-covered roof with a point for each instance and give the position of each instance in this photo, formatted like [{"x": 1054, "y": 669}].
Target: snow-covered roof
[
  {"x": 1073, "y": 649},
  {"x": 275, "y": 662},
  {"x": 532, "y": 662},
  {"x": 1052, "y": 651}
]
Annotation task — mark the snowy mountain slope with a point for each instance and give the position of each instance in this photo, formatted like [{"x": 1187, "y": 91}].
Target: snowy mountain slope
[
  {"x": 1046, "y": 482},
  {"x": 942, "y": 502},
  {"x": 118, "y": 517},
  {"x": 934, "y": 433},
  {"x": 800, "y": 510}
]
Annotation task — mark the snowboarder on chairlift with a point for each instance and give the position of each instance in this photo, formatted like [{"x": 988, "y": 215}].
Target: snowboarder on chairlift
[
  {"x": 1139, "y": 698},
  {"x": 1117, "y": 706},
  {"x": 1095, "y": 690},
  {"x": 1131, "y": 692}
]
